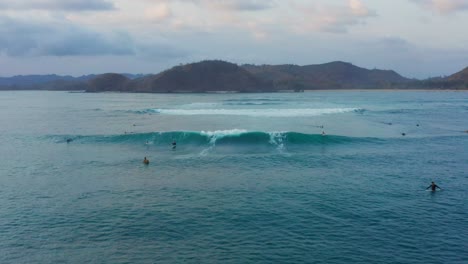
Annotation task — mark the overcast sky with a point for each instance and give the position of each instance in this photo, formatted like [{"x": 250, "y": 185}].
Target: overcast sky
[{"x": 417, "y": 38}]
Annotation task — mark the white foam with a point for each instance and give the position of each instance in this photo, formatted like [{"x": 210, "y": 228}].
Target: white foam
[
  {"x": 276, "y": 138},
  {"x": 228, "y": 132},
  {"x": 217, "y": 134},
  {"x": 291, "y": 112},
  {"x": 199, "y": 105}
]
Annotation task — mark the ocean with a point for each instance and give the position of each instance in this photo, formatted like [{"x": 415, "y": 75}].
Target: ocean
[{"x": 314, "y": 177}]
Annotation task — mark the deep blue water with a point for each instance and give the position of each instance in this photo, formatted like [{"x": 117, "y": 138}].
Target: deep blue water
[{"x": 252, "y": 179}]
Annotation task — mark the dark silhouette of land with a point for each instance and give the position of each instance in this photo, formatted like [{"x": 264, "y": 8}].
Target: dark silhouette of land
[
  {"x": 221, "y": 76},
  {"x": 333, "y": 75},
  {"x": 206, "y": 76}
]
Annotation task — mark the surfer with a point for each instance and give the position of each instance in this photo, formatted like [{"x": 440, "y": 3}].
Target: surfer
[
  {"x": 174, "y": 144},
  {"x": 433, "y": 187},
  {"x": 323, "y": 133},
  {"x": 69, "y": 140},
  {"x": 145, "y": 161}
]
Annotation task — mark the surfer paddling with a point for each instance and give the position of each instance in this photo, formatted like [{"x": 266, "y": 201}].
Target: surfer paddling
[
  {"x": 433, "y": 187},
  {"x": 145, "y": 161}
]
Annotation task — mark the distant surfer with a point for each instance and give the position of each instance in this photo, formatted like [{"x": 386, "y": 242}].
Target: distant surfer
[
  {"x": 69, "y": 140},
  {"x": 403, "y": 134},
  {"x": 145, "y": 161},
  {"x": 323, "y": 133},
  {"x": 433, "y": 187},
  {"x": 174, "y": 144}
]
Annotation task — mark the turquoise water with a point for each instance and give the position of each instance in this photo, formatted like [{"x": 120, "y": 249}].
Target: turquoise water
[{"x": 252, "y": 179}]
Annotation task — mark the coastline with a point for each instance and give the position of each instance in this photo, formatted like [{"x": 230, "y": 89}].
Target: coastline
[
  {"x": 238, "y": 92},
  {"x": 388, "y": 90}
]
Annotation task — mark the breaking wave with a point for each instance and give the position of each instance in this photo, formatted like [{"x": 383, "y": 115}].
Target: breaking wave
[
  {"x": 220, "y": 137},
  {"x": 290, "y": 112}
]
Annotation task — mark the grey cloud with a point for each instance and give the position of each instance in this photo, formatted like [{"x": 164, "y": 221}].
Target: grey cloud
[
  {"x": 332, "y": 19},
  {"x": 79, "y": 42},
  {"x": 161, "y": 51},
  {"x": 67, "y": 5},
  {"x": 245, "y": 5},
  {"x": 19, "y": 38},
  {"x": 443, "y": 6},
  {"x": 233, "y": 5},
  {"x": 393, "y": 43},
  {"x": 340, "y": 24}
]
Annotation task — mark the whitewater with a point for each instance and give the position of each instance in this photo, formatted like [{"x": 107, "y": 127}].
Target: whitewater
[{"x": 315, "y": 177}]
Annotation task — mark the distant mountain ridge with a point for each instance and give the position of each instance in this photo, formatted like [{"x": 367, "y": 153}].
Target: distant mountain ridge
[
  {"x": 24, "y": 80},
  {"x": 221, "y": 76},
  {"x": 205, "y": 76},
  {"x": 40, "y": 81},
  {"x": 332, "y": 75}
]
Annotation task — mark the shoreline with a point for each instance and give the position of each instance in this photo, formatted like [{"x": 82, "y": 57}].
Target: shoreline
[{"x": 388, "y": 90}]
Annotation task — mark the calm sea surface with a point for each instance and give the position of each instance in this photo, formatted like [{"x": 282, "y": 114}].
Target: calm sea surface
[{"x": 252, "y": 179}]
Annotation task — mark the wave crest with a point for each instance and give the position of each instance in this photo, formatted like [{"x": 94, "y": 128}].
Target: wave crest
[
  {"x": 231, "y": 137},
  {"x": 290, "y": 112}
]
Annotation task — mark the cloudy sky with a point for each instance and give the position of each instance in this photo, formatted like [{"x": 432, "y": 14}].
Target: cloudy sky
[{"x": 417, "y": 38}]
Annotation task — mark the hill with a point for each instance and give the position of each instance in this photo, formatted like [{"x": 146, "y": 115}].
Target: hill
[
  {"x": 205, "y": 76},
  {"x": 108, "y": 82},
  {"x": 459, "y": 76},
  {"x": 456, "y": 81},
  {"x": 333, "y": 75}
]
